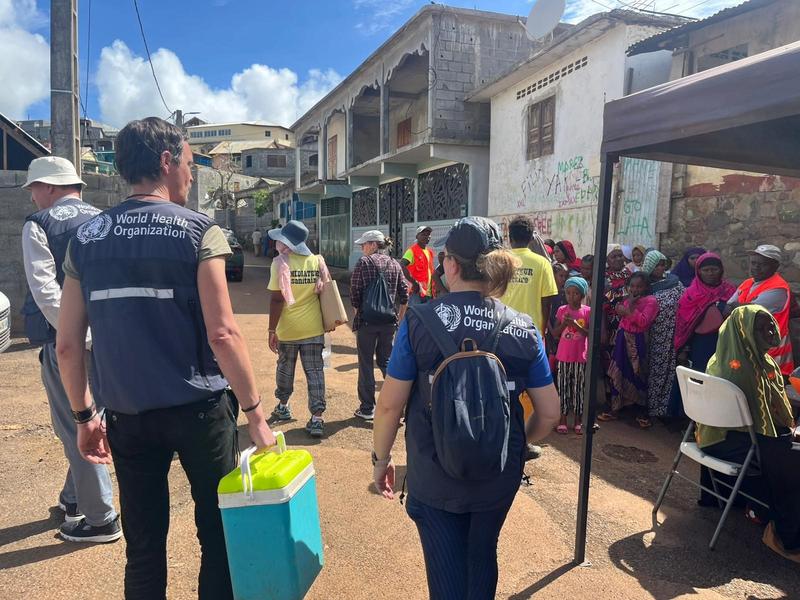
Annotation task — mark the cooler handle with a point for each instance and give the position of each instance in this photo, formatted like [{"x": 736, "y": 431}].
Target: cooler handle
[{"x": 244, "y": 467}]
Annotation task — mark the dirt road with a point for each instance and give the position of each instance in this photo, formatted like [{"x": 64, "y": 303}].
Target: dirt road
[{"x": 371, "y": 546}]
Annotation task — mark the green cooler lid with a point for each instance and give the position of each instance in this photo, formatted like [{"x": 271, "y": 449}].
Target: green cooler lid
[{"x": 272, "y": 470}]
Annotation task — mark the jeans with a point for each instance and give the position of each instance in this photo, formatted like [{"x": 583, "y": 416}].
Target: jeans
[
  {"x": 374, "y": 343},
  {"x": 87, "y": 485},
  {"x": 460, "y": 550},
  {"x": 205, "y": 437}
]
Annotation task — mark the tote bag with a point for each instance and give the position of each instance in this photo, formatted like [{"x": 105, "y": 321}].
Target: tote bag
[{"x": 333, "y": 311}]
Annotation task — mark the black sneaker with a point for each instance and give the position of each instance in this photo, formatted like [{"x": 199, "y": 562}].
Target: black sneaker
[
  {"x": 71, "y": 512},
  {"x": 363, "y": 414},
  {"x": 282, "y": 412},
  {"x": 532, "y": 452},
  {"x": 81, "y": 531},
  {"x": 314, "y": 428}
]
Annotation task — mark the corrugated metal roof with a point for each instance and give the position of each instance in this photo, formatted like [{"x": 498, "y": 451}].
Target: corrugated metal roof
[
  {"x": 237, "y": 147},
  {"x": 671, "y": 39}
]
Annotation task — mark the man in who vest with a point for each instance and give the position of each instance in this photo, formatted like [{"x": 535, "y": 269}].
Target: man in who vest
[
  {"x": 87, "y": 495},
  {"x": 148, "y": 276},
  {"x": 417, "y": 263},
  {"x": 768, "y": 289}
]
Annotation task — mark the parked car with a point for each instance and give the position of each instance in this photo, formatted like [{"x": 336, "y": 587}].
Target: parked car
[
  {"x": 5, "y": 322},
  {"x": 234, "y": 266}
]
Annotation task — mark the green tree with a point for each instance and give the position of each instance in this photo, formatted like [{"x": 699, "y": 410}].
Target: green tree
[{"x": 262, "y": 202}]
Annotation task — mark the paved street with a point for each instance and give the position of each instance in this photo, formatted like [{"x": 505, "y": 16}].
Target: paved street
[{"x": 370, "y": 544}]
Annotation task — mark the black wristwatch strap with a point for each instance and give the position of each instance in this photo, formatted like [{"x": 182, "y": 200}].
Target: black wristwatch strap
[{"x": 84, "y": 416}]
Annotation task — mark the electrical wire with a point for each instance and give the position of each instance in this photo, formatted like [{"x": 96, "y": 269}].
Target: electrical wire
[{"x": 149, "y": 59}]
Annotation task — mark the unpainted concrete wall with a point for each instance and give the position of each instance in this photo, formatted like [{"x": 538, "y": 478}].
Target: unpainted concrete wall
[{"x": 15, "y": 205}]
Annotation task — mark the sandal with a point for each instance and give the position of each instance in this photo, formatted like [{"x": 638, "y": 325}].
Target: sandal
[
  {"x": 644, "y": 422},
  {"x": 607, "y": 416},
  {"x": 578, "y": 429},
  {"x": 562, "y": 429}
]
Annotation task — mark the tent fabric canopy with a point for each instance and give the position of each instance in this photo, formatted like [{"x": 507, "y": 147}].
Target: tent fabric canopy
[{"x": 743, "y": 116}]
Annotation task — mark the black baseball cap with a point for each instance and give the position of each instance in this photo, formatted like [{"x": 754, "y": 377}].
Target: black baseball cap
[{"x": 471, "y": 237}]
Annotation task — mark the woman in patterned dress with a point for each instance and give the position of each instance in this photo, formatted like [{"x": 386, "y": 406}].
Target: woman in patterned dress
[{"x": 667, "y": 290}]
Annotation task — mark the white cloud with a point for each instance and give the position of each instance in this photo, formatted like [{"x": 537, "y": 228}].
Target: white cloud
[
  {"x": 577, "y": 10},
  {"x": 25, "y": 68},
  {"x": 126, "y": 89},
  {"x": 376, "y": 16}
]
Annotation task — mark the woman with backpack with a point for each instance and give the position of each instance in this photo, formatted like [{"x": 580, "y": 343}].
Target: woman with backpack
[
  {"x": 458, "y": 367},
  {"x": 377, "y": 287}
]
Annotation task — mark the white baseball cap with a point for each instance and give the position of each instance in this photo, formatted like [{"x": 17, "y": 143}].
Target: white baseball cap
[
  {"x": 422, "y": 228},
  {"x": 768, "y": 251},
  {"x": 53, "y": 170},
  {"x": 371, "y": 236}
]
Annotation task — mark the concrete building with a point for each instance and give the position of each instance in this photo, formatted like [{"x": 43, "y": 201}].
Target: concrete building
[
  {"x": 96, "y": 136},
  {"x": 208, "y": 135},
  {"x": 397, "y": 142},
  {"x": 547, "y": 126},
  {"x": 278, "y": 162},
  {"x": 727, "y": 211}
]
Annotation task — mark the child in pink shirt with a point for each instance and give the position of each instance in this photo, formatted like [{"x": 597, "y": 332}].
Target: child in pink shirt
[
  {"x": 628, "y": 370},
  {"x": 572, "y": 331}
]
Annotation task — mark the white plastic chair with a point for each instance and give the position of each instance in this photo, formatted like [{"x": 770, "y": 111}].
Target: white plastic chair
[{"x": 716, "y": 402}]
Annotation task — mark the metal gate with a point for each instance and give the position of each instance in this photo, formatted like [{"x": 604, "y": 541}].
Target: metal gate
[
  {"x": 397, "y": 208},
  {"x": 334, "y": 233}
]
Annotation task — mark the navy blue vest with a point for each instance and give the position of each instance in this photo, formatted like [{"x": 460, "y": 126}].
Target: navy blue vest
[
  {"x": 137, "y": 264},
  {"x": 466, "y": 315},
  {"x": 58, "y": 222}
]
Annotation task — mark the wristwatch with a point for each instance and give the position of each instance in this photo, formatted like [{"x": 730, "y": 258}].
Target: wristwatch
[{"x": 376, "y": 462}]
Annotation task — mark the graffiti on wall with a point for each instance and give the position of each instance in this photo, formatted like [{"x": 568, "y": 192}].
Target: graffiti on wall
[
  {"x": 571, "y": 185},
  {"x": 637, "y": 203},
  {"x": 576, "y": 225}
]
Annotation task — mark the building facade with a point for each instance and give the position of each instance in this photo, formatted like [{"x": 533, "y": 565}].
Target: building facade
[
  {"x": 547, "y": 127},
  {"x": 731, "y": 212},
  {"x": 208, "y": 135},
  {"x": 397, "y": 142}
]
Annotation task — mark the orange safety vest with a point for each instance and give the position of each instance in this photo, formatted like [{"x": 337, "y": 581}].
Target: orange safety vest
[
  {"x": 783, "y": 353},
  {"x": 422, "y": 268}
]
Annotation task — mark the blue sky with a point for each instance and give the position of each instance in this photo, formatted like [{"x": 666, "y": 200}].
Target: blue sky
[{"x": 230, "y": 59}]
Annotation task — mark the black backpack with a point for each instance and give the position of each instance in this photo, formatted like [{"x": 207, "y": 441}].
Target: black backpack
[
  {"x": 469, "y": 402},
  {"x": 377, "y": 307}
]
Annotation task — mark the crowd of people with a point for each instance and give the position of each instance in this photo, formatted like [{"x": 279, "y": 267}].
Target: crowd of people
[{"x": 513, "y": 322}]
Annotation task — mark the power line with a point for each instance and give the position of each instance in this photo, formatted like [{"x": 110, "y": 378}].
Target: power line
[{"x": 150, "y": 60}]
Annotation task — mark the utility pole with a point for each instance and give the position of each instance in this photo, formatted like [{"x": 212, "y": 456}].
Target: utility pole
[
  {"x": 179, "y": 118},
  {"x": 64, "y": 128}
]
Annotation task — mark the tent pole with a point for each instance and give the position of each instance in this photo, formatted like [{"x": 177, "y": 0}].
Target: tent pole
[{"x": 593, "y": 367}]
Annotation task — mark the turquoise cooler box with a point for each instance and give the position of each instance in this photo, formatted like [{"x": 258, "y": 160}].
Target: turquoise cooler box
[{"x": 271, "y": 521}]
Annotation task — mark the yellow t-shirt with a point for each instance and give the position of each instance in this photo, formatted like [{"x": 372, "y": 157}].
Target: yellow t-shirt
[
  {"x": 533, "y": 281},
  {"x": 303, "y": 319}
]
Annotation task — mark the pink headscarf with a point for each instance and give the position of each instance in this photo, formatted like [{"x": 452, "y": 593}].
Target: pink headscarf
[
  {"x": 285, "y": 273},
  {"x": 696, "y": 300}
]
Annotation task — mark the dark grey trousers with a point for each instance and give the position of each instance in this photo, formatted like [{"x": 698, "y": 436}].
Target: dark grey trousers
[{"x": 374, "y": 344}]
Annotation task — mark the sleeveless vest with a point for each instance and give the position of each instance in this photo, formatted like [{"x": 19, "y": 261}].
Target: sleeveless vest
[
  {"x": 466, "y": 316},
  {"x": 59, "y": 223},
  {"x": 422, "y": 268},
  {"x": 137, "y": 264},
  {"x": 783, "y": 353}
]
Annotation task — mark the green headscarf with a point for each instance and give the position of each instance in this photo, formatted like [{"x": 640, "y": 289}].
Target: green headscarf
[
  {"x": 651, "y": 260},
  {"x": 738, "y": 360}
]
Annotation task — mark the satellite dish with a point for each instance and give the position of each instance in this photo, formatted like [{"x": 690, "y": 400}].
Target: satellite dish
[{"x": 544, "y": 17}]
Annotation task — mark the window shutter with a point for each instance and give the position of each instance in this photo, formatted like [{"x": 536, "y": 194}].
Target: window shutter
[
  {"x": 534, "y": 123},
  {"x": 548, "y": 125}
]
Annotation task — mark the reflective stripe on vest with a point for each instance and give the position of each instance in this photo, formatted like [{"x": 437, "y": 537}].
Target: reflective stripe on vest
[
  {"x": 783, "y": 352},
  {"x": 422, "y": 268}
]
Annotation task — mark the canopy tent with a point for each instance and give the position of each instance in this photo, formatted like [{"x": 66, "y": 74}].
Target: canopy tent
[{"x": 742, "y": 116}]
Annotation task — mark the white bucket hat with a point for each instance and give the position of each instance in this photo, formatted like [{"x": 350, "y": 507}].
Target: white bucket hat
[{"x": 53, "y": 170}]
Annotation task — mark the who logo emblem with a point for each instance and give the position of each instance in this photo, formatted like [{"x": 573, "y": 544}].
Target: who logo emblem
[
  {"x": 94, "y": 230},
  {"x": 449, "y": 315}
]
